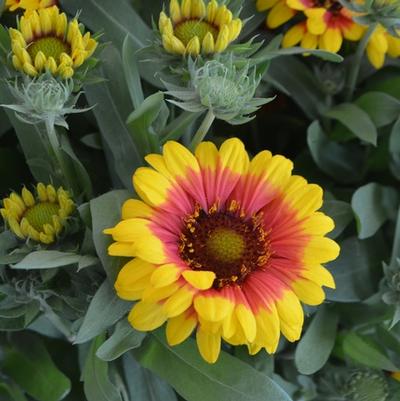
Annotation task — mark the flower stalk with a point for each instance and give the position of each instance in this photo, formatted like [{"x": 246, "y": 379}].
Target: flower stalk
[{"x": 203, "y": 129}]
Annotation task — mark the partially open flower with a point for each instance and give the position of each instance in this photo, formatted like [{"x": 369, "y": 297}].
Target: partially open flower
[
  {"x": 39, "y": 218},
  {"x": 194, "y": 27},
  {"x": 222, "y": 88},
  {"x": 29, "y": 5},
  {"x": 46, "y": 41}
]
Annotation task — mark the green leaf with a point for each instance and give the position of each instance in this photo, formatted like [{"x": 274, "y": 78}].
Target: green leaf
[
  {"x": 196, "y": 380},
  {"x": 104, "y": 310},
  {"x": 124, "y": 338},
  {"x": 110, "y": 103},
  {"x": 357, "y": 270},
  {"x": 364, "y": 351},
  {"x": 144, "y": 385},
  {"x": 266, "y": 54},
  {"x": 96, "y": 382},
  {"x": 117, "y": 19},
  {"x": 110, "y": 202},
  {"x": 47, "y": 260},
  {"x": 177, "y": 127},
  {"x": 373, "y": 204},
  {"x": 317, "y": 343},
  {"x": 343, "y": 163},
  {"x": 29, "y": 364},
  {"x": 140, "y": 122},
  {"x": 341, "y": 214},
  {"x": 381, "y": 107},
  {"x": 11, "y": 392},
  {"x": 131, "y": 71},
  {"x": 356, "y": 120},
  {"x": 294, "y": 78},
  {"x": 394, "y": 142}
]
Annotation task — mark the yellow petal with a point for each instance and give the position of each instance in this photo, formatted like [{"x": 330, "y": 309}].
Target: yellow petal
[
  {"x": 179, "y": 328},
  {"x": 202, "y": 280},
  {"x": 233, "y": 156},
  {"x": 222, "y": 41},
  {"x": 121, "y": 249},
  {"x": 193, "y": 46},
  {"x": 291, "y": 315},
  {"x": 296, "y": 4},
  {"x": 319, "y": 275},
  {"x": 208, "y": 45},
  {"x": 247, "y": 321},
  {"x": 331, "y": 40},
  {"x": 175, "y": 11},
  {"x": 133, "y": 278},
  {"x": 146, "y": 316},
  {"x": 321, "y": 250},
  {"x": 212, "y": 308},
  {"x": 165, "y": 275},
  {"x": 209, "y": 344},
  {"x": 268, "y": 329},
  {"x": 179, "y": 302},
  {"x": 263, "y": 5},
  {"x": 279, "y": 14},
  {"x": 135, "y": 208},
  {"x": 316, "y": 20},
  {"x": 151, "y": 186},
  {"x": 318, "y": 224},
  {"x": 293, "y": 36},
  {"x": 308, "y": 292},
  {"x": 207, "y": 155}
]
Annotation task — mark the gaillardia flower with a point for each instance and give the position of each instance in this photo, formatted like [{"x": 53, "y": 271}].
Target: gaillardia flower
[
  {"x": 326, "y": 23},
  {"x": 46, "y": 41},
  {"x": 40, "y": 218},
  {"x": 223, "y": 245},
  {"x": 29, "y": 5},
  {"x": 194, "y": 27}
]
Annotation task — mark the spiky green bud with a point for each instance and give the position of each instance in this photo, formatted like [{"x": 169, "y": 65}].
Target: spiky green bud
[
  {"x": 221, "y": 87},
  {"x": 44, "y": 100}
]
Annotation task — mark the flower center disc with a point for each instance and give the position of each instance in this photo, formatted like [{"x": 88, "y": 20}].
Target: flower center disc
[
  {"x": 41, "y": 214},
  {"x": 50, "y": 46},
  {"x": 333, "y": 6},
  {"x": 224, "y": 242},
  {"x": 188, "y": 29}
]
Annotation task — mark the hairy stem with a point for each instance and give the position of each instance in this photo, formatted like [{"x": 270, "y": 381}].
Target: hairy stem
[{"x": 203, "y": 129}]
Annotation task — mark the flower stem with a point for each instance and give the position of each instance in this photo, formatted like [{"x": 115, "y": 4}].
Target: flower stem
[
  {"x": 203, "y": 129},
  {"x": 55, "y": 146},
  {"x": 355, "y": 66}
]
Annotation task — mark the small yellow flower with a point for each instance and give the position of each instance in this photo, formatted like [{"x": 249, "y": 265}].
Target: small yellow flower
[
  {"x": 194, "y": 27},
  {"x": 29, "y": 5},
  {"x": 46, "y": 41},
  {"x": 39, "y": 218}
]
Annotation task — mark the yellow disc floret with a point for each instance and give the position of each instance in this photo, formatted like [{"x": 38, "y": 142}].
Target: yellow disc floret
[
  {"x": 46, "y": 41},
  {"x": 194, "y": 27},
  {"x": 39, "y": 218}
]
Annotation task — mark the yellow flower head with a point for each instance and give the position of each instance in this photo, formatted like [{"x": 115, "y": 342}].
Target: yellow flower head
[
  {"x": 29, "y": 5},
  {"x": 223, "y": 245},
  {"x": 46, "y": 41},
  {"x": 39, "y": 218},
  {"x": 325, "y": 24},
  {"x": 194, "y": 27}
]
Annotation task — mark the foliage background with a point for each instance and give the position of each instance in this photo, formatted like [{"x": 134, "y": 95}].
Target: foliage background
[{"x": 63, "y": 332}]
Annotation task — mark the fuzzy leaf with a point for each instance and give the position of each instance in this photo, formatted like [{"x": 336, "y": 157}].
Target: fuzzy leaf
[
  {"x": 356, "y": 120},
  {"x": 96, "y": 382},
  {"x": 124, "y": 338},
  {"x": 104, "y": 310},
  {"x": 195, "y": 380},
  {"x": 373, "y": 204},
  {"x": 314, "y": 348}
]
